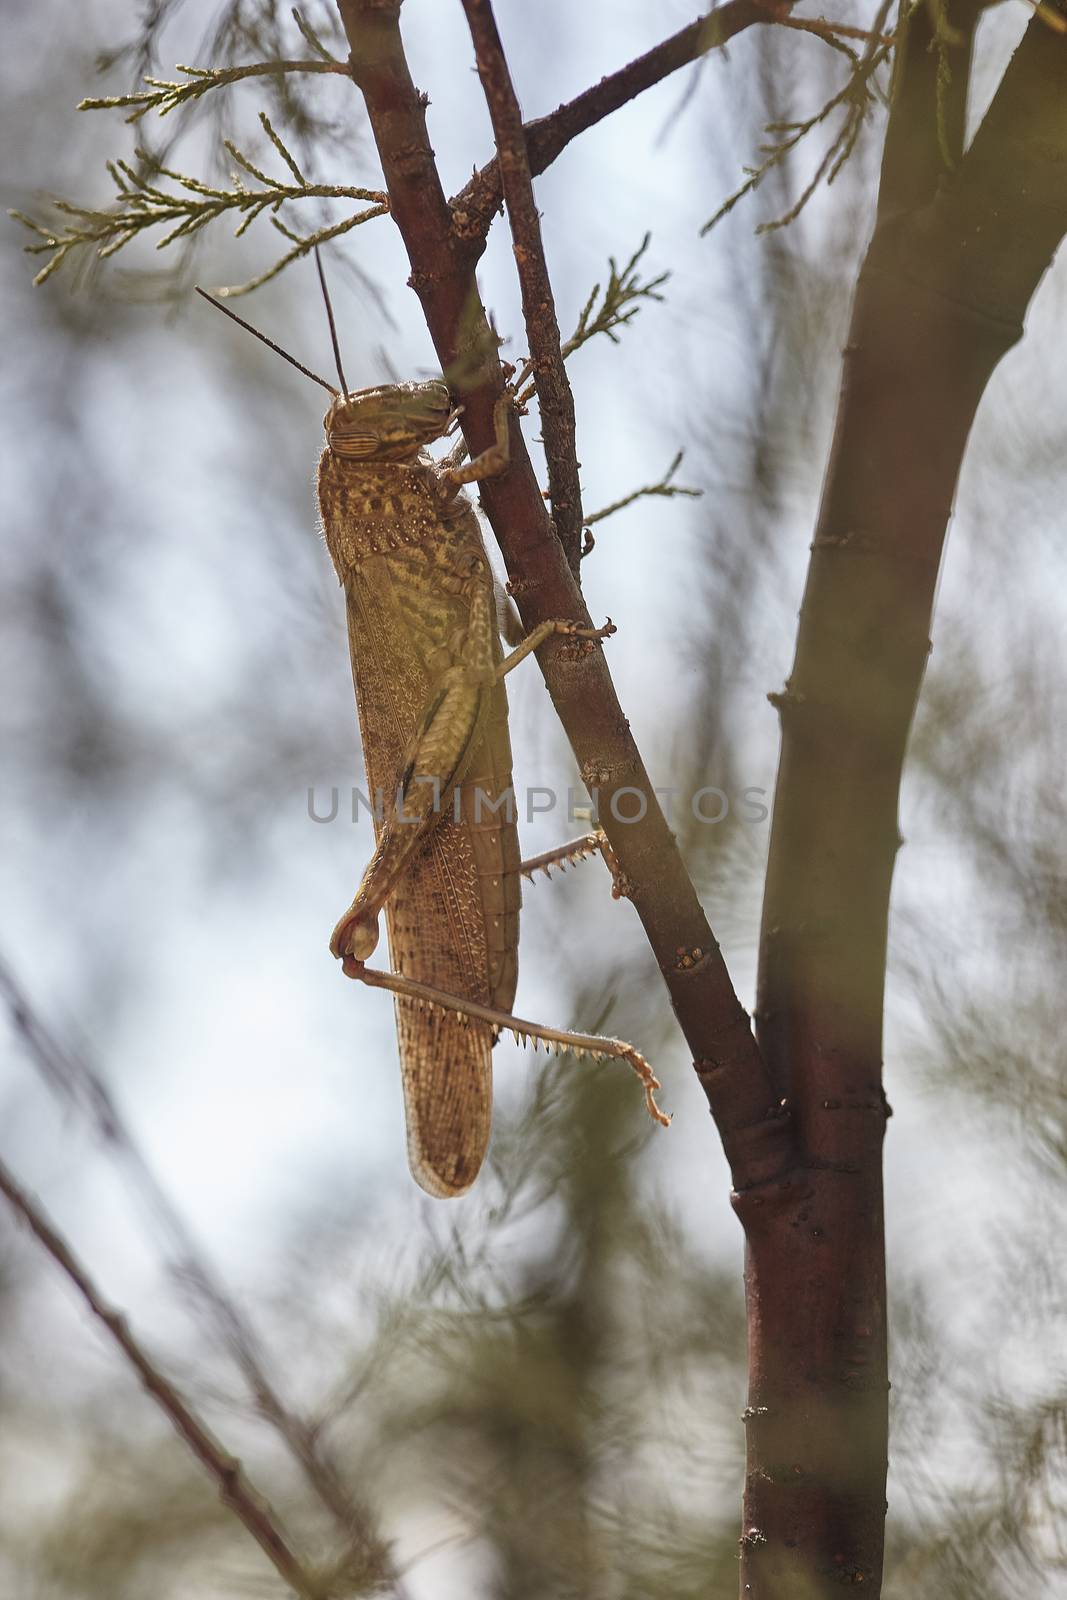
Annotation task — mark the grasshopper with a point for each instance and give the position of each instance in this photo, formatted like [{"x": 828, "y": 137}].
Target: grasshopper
[{"x": 428, "y": 668}]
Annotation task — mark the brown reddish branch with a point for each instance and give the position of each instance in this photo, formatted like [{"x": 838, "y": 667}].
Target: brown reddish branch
[
  {"x": 755, "y": 1136},
  {"x": 547, "y": 137},
  {"x": 555, "y": 402},
  {"x": 235, "y": 1490}
]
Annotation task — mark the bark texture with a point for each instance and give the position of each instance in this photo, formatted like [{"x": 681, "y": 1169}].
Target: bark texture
[{"x": 954, "y": 260}]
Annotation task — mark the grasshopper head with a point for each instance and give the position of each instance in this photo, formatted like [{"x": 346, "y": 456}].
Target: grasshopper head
[{"x": 390, "y": 423}]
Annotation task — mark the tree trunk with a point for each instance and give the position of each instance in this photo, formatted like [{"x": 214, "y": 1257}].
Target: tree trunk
[{"x": 953, "y": 262}]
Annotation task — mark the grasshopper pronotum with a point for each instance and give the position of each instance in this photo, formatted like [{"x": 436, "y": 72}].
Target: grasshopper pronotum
[{"x": 428, "y": 669}]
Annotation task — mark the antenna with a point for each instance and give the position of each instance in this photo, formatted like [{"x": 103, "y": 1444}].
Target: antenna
[
  {"x": 333, "y": 325},
  {"x": 293, "y": 362}
]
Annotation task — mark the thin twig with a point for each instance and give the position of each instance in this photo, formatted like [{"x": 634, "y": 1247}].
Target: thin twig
[
  {"x": 235, "y": 1489},
  {"x": 855, "y": 97},
  {"x": 165, "y": 95},
  {"x": 605, "y": 311},
  {"x": 474, "y": 206},
  {"x": 76, "y": 1083},
  {"x": 142, "y": 204},
  {"x": 554, "y": 396},
  {"x": 665, "y": 488},
  {"x": 304, "y": 245},
  {"x": 829, "y": 31}
]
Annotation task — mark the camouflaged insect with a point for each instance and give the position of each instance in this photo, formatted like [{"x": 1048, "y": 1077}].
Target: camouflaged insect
[{"x": 426, "y": 656}]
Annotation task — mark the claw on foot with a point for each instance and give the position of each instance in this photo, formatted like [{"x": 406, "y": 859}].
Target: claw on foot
[{"x": 575, "y": 630}]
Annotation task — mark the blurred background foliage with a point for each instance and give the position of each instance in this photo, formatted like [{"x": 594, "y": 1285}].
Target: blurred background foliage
[{"x": 535, "y": 1391}]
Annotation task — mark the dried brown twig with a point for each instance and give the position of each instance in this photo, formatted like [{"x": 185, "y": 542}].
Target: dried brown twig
[
  {"x": 78, "y": 1085},
  {"x": 554, "y": 397},
  {"x": 607, "y": 309},
  {"x": 235, "y": 1488},
  {"x": 665, "y": 489},
  {"x": 474, "y": 206}
]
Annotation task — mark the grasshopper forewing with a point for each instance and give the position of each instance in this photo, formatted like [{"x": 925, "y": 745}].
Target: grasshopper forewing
[
  {"x": 432, "y": 710},
  {"x": 428, "y": 668}
]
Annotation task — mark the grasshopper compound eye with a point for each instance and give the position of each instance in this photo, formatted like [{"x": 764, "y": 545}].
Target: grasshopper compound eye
[{"x": 391, "y": 422}]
